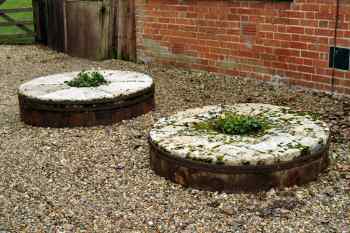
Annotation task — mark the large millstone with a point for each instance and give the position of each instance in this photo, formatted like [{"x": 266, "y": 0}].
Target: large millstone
[
  {"x": 293, "y": 151},
  {"x": 49, "y": 101}
]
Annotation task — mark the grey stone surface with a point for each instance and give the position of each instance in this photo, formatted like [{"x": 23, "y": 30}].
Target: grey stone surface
[{"x": 53, "y": 88}]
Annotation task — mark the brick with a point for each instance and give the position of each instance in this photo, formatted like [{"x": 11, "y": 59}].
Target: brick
[
  {"x": 266, "y": 38},
  {"x": 310, "y": 54},
  {"x": 282, "y": 36},
  {"x": 297, "y": 45},
  {"x": 296, "y": 29},
  {"x": 306, "y": 69},
  {"x": 248, "y": 29},
  {"x": 323, "y": 23},
  {"x": 287, "y": 52},
  {"x": 320, "y": 79},
  {"x": 324, "y": 32}
]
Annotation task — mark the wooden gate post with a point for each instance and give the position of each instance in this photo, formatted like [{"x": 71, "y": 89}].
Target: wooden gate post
[
  {"x": 126, "y": 32},
  {"x": 88, "y": 28},
  {"x": 55, "y": 24},
  {"x": 49, "y": 23},
  {"x": 40, "y": 16}
]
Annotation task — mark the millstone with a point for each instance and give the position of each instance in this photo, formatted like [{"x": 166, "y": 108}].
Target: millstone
[
  {"x": 293, "y": 151},
  {"x": 49, "y": 101}
]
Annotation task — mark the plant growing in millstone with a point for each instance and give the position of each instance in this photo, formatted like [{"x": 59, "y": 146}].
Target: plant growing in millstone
[
  {"x": 234, "y": 124},
  {"x": 87, "y": 79}
]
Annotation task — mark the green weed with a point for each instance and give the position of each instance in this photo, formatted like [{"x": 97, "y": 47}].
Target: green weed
[
  {"x": 87, "y": 79},
  {"x": 234, "y": 124}
]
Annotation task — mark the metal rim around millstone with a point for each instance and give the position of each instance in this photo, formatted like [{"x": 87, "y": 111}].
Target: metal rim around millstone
[{"x": 235, "y": 179}]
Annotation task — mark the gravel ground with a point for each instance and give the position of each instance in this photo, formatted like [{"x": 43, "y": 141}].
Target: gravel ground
[{"x": 98, "y": 179}]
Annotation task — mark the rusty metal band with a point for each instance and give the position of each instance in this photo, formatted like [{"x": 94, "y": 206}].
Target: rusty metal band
[
  {"x": 87, "y": 116},
  {"x": 51, "y": 106},
  {"x": 244, "y": 169}
]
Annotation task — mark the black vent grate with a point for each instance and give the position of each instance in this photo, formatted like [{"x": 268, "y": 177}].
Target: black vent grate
[{"x": 339, "y": 58}]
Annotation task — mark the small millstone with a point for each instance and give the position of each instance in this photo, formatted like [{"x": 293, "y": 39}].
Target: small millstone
[{"x": 49, "y": 101}]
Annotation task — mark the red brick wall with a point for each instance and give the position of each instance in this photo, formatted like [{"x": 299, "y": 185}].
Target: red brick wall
[{"x": 285, "y": 42}]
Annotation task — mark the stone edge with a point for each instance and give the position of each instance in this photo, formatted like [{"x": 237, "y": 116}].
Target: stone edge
[{"x": 150, "y": 89}]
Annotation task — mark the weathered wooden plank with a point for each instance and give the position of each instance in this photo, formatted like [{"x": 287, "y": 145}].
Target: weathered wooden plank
[
  {"x": 122, "y": 20},
  {"x": 114, "y": 29},
  {"x": 16, "y": 35},
  {"x": 110, "y": 27},
  {"x": 13, "y": 37},
  {"x": 17, "y": 10},
  {"x": 131, "y": 31},
  {"x": 16, "y": 23},
  {"x": 39, "y": 18},
  {"x": 22, "y": 41},
  {"x": 88, "y": 28},
  {"x": 55, "y": 24},
  {"x": 126, "y": 30}
]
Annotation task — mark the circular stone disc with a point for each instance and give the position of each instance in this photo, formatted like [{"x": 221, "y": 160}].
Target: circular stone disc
[
  {"x": 50, "y": 102},
  {"x": 52, "y": 88},
  {"x": 291, "y": 137}
]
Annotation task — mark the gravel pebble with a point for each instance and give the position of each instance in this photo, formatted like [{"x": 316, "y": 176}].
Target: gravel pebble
[{"x": 98, "y": 179}]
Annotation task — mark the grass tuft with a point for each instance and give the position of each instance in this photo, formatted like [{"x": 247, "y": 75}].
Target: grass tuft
[
  {"x": 87, "y": 79},
  {"x": 234, "y": 124}
]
